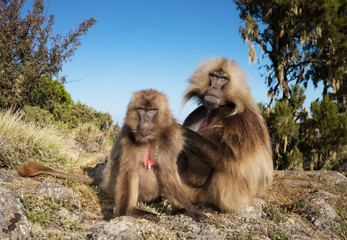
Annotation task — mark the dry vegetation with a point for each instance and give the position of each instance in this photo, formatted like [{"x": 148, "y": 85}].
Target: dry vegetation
[{"x": 22, "y": 142}]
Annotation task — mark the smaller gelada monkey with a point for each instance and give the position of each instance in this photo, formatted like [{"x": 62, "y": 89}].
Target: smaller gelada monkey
[{"x": 142, "y": 165}]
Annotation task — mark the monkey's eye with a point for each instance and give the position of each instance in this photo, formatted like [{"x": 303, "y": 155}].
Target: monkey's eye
[
  {"x": 141, "y": 109},
  {"x": 223, "y": 79},
  {"x": 152, "y": 110}
]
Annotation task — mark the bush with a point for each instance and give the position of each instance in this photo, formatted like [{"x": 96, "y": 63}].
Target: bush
[
  {"x": 37, "y": 115},
  {"x": 307, "y": 142},
  {"x": 31, "y": 54},
  {"x": 324, "y": 136}
]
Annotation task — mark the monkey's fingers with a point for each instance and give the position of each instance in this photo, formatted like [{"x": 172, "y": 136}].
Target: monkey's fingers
[
  {"x": 198, "y": 216},
  {"x": 151, "y": 217},
  {"x": 143, "y": 214},
  {"x": 176, "y": 210}
]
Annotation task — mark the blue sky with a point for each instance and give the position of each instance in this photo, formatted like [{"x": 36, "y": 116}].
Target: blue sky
[{"x": 149, "y": 44}]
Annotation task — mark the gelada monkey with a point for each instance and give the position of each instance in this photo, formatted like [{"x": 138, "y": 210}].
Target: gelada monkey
[
  {"x": 142, "y": 165},
  {"x": 227, "y": 156}
]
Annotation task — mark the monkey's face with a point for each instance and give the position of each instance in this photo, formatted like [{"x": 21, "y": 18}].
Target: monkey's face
[
  {"x": 213, "y": 96},
  {"x": 218, "y": 82},
  {"x": 146, "y": 116}
]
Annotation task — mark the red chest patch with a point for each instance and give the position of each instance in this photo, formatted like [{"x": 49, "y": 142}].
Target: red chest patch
[
  {"x": 148, "y": 161},
  {"x": 202, "y": 128}
]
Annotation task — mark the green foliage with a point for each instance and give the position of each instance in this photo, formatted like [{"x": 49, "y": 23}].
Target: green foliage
[
  {"x": 307, "y": 142},
  {"x": 292, "y": 160},
  {"x": 277, "y": 214},
  {"x": 284, "y": 125},
  {"x": 68, "y": 224},
  {"x": 37, "y": 115},
  {"x": 70, "y": 115},
  {"x": 278, "y": 235},
  {"x": 43, "y": 210},
  {"x": 325, "y": 136},
  {"x": 87, "y": 114},
  {"x": 284, "y": 129},
  {"x": 51, "y": 91},
  {"x": 304, "y": 41},
  {"x": 31, "y": 55},
  {"x": 85, "y": 122}
]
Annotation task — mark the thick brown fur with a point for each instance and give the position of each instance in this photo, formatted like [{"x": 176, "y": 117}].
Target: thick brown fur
[
  {"x": 230, "y": 162},
  {"x": 125, "y": 176}
]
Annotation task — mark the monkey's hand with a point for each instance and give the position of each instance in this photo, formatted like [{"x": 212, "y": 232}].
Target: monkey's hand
[
  {"x": 200, "y": 147},
  {"x": 143, "y": 214},
  {"x": 197, "y": 215}
]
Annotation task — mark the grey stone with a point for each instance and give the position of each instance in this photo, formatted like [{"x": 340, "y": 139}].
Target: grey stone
[
  {"x": 14, "y": 223},
  {"x": 123, "y": 228},
  {"x": 58, "y": 193},
  {"x": 321, "y": 213},
  {"x": 92, "y": 146}
]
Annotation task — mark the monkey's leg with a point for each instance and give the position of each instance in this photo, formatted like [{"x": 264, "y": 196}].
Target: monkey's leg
[
  {"x": 193, "y": 170},
  {"x": 129, "y": 192},
  {"x": 177, "y": 208}
]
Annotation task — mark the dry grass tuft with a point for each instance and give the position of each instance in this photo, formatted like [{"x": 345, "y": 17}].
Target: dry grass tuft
[{"x": 21, "y": 141}]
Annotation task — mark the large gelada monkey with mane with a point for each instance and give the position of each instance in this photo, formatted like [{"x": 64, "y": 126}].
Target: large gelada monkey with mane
[{"x": 227, "y": 157}]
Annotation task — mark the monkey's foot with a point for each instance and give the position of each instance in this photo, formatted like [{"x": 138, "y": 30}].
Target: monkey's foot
[
  {"x": 144, "y": 214},
  {"x": 198, "y": 216}
]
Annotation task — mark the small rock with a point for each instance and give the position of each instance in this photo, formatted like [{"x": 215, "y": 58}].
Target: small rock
[
  {"x": 256, "y": 210},
  {"x": 96, "y": 172},
  {"x": 92, "y": 146},
  {"x": 123, "y": 228},
  {"x": 322, "y": 214},
  {"x": 14, "y": 223},
  {"x": 76, "y": 148},
  {"x": 66, "y": 216},
  {"x": 6, "y": 176},
  {"x": 58, "y": 193}
]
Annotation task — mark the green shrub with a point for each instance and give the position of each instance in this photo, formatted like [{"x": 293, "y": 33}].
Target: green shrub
[{"x": 37, "y": 115}]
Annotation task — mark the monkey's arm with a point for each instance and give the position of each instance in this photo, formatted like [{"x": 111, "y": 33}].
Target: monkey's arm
[{"x": 201, "y": 148}]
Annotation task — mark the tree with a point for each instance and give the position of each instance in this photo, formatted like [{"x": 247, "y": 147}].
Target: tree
[
  {"x": 51, "y": 91},
  {"x": 305, "y": 40},
  {"x": 30, "y": 53},
  {"x": 324, "y": 136},
  {"x": 284, "y": 125}
]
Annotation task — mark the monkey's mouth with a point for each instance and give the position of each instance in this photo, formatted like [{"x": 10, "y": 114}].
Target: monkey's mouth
[
  {"x": 143, "y": 136},
  {"x": 211, "y": 101},
  {"x": 145, "y": 132}
]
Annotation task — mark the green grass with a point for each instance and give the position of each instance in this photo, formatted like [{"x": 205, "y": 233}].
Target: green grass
[{"x": 44, "y": 210}]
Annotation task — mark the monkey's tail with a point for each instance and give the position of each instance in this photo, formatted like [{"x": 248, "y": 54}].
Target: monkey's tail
[{"x": 35, "y": 168}]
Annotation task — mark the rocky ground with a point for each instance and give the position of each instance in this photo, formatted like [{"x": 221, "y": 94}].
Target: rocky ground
[{"x": 300, "y": 205}]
